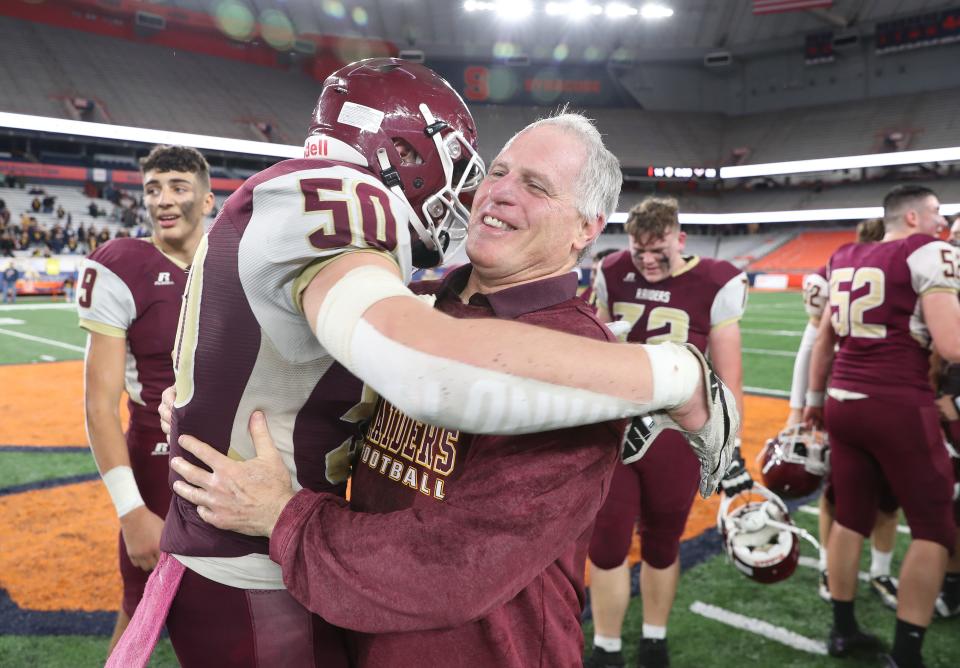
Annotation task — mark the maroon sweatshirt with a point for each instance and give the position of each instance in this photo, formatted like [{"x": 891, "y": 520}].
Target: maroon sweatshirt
[{"x": 459, "y": 549}]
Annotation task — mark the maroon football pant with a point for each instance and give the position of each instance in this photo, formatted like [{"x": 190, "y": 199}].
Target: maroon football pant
[
  {"x": 150, "y": 469},
  {"x": 211, "y": 624},
  {"x": 872, "y": 441},
  {"x": 659, "y": 490}
]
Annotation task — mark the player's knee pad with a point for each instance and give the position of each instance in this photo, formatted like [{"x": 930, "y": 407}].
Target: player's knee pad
[{"x": 660, "y": 547}]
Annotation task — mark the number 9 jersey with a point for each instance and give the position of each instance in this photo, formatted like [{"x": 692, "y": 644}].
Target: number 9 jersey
[
  {"x": 684, "y": 307},
  {"x": 876, "y": 313}
]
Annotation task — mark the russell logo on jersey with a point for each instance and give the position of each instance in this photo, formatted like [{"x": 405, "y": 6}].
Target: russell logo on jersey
[{"x": 163, "y": 278}]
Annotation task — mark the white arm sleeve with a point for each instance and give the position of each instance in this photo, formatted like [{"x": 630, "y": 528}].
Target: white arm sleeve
[
  {"x": 801, "y": 367},
  {"x": 934, "y": 266},
  {"x": 730, "y": 301},
  {"x": 455, "y": 395}
]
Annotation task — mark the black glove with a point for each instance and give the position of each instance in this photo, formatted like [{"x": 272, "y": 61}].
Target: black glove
[{"x": 737, "y": 479}]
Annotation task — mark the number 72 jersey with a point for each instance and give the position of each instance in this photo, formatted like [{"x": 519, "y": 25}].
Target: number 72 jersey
[
  {"x": 876, "y": 313},
  {"x": 684, "y": 307}
]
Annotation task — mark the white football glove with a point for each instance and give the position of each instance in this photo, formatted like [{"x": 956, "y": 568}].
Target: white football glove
[{"x": 712, "y": 444}]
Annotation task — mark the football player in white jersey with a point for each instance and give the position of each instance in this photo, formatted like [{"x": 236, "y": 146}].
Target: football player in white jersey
[{"x": 129, "y": 300}]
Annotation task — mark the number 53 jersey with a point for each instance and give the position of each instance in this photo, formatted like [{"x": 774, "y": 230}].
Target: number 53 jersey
[
  {"x": 876, "y": 313},
  {"x": 244, "y": 343},
  {"x": 683, "y": 307}
]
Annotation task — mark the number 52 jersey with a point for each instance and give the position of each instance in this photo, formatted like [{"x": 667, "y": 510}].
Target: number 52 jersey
[
  {"x": 877, "y": 315},
  {"x": 244, "y": 343}
]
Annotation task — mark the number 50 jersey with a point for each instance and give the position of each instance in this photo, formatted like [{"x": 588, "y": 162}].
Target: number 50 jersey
[
  {"x": 244, "y": 343},
  {"x": 876, "y": 313},
  {"x": 683, "y": 307}
]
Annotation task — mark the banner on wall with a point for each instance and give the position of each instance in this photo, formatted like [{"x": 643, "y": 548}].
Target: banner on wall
[{"x": 535, "y": 84}]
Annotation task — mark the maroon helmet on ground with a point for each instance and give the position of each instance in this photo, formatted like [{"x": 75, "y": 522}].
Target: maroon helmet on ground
[
  {"x": 759, "y": 537},
  {"x": 795, "y": 462},
  {"x": 373, "y": 112}
]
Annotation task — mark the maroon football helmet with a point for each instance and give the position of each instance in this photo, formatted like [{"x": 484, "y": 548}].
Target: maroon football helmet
[
  {"x": 371, "y": 111},
  {"x": 759, "y": 537},
  {"x": 794, "y": 463}
]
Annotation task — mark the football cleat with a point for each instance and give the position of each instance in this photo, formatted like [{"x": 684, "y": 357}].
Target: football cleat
[
  {"x": 858, "y": 642},
  {"x": 653, "y": 653},
  {"x": 885, "y": 587},
  {"x": 601, "y": 658},
  {"x": 712, "y": 444},
  {"x": 947, "y": 606}
]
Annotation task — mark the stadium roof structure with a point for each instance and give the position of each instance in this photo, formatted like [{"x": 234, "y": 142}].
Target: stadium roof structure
[{"x": 589, "y": 28}]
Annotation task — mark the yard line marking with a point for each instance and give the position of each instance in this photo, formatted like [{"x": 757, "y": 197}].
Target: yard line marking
[
  {"x": 767, "y": 392},
  {"x": 760, "y": 628},
  {"x": 765, "y": 351},
  {"x": 35, "y": 307},
  {"x": 800, "y": 319},
  {"x": 811, "y": 562},
  {"x": 813, "y": 510},
  {"x": 772, "y": 332},
  {"x": 40, "y": 339},
  {"x": 11, "y": 321}
]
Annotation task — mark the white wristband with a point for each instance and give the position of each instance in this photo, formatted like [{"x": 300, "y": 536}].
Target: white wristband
[
  {"x": 676, "y": 373},
  {"x": 122, "y": 489},
  {"x": 814, "y": 399}
]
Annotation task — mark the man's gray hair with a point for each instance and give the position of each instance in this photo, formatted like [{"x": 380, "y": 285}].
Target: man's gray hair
[{"x": 598, "y": 187}]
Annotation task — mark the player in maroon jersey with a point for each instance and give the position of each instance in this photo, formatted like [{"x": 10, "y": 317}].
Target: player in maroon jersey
[
  {"x": 129, "y": 301},
  {"x": 889, "y": 302},
  {"x": 663, "y": 295},
  {"x": 816, "y": 293}
]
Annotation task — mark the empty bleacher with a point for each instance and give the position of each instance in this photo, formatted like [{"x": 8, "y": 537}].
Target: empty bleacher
[
  {"x": 41, "y": 65},
  {"x": 808, "y": 251}
]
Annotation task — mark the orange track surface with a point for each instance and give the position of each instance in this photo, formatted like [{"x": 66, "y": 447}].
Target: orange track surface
[{"x": 59, "y": 545}]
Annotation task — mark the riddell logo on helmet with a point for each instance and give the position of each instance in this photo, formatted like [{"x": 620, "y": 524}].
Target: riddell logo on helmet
[{"x": 315, "y": 146}]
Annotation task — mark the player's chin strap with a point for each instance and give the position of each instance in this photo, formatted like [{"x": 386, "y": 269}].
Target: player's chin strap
[{"x": 391, "y": 179}]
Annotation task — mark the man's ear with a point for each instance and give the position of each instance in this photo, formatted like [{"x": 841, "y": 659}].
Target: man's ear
[{"x": 589, "y": 231}]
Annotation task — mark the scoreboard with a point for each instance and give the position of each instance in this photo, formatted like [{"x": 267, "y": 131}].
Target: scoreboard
[{"x": 915, "y": 32}]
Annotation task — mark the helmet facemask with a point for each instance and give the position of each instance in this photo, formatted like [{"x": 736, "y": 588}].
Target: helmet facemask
[{"x": 441, "y": 224}]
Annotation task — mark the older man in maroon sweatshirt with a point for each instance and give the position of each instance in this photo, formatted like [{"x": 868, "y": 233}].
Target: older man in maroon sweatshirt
[{"x": 458, "y": 549}]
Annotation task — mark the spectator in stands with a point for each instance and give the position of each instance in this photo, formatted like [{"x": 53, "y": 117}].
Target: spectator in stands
[
  {"x": 7, "y": 244},
  {"x": 48, "y": 202},
  {"x": 60, "y": 212},
  {"x": 23, "y": 242},
  {"x": 81, "y": 233},
  {"x": 35, "y": 205},
  {"x": 72, "y": 247},
  {"x": 104, "y": 236},
  {"x": 37, "y": 190},
  {"x": 38, "y": 237},
  {"x": 8, "y": 283},
  {"x": 25, "y": 220},
  {"x": 93, "y": 210},
  {"x": 57, "y": 240}
]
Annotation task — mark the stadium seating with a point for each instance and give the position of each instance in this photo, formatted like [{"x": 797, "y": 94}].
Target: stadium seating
[
  {"x": 806, "y": 252},
  {"x": 43, "y": 65}
]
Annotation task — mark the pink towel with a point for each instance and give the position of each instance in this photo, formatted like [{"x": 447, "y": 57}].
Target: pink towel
[{"x": 137, "y": 642}]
